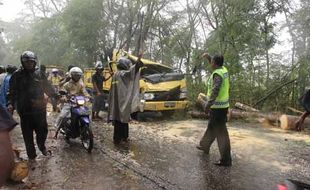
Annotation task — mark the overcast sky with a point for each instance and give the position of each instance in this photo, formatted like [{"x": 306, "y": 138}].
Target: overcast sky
[{"x": 9, "y": 9}]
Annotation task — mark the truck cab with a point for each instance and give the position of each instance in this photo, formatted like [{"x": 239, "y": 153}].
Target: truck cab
[{"x": 161, "y": 88}]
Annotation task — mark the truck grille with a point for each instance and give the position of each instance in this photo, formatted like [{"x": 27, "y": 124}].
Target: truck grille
[{"x": 171, "y": 95}]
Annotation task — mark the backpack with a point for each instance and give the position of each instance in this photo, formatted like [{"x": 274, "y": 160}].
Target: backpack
[{"x": 304, "y": 100}]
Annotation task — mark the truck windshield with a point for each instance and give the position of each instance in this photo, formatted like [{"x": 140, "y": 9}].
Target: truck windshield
[
  {"x": 150, "y": 69},
  {"x": 156, "y": 73}
]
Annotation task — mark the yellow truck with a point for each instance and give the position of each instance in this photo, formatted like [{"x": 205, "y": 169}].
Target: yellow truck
[{"x": 161, "y": 88}]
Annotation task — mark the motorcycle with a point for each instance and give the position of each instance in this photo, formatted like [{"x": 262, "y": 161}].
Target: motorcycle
[{"x": 77, "y": 124}]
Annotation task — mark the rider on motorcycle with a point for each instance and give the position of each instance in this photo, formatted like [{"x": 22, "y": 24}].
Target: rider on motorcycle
[{"x": 73, "y": 87}]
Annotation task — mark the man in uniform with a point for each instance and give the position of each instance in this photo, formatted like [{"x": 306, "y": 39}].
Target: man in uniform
[
  {"x": 217, "y": 108},
  {"x": 54, "y": 79}
]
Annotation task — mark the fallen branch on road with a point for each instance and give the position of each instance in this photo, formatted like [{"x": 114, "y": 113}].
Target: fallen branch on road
[{"x": 245, "y": 107}]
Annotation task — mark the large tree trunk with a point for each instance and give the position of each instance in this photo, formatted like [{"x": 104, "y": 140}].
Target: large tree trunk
[
  {"x": 288, "y": 122},
  {"x": 235, "y": 114}
]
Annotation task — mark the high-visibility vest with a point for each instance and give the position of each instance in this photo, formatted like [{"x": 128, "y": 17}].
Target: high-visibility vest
[{"x": 222, "y": 100}]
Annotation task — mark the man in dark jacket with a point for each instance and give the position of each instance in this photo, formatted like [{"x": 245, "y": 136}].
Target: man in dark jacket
[
  {"x": 28, "y": 90},
  {"x": 99, "y": 97}
]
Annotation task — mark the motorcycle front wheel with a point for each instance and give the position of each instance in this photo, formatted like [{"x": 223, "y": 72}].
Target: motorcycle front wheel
[{"x": 87, "y": 138}]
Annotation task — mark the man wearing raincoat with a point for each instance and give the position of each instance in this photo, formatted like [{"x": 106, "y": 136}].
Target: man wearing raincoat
[{"x": 124, "y": 97}]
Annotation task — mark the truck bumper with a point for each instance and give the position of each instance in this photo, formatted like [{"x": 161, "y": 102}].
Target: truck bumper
[{"x": 164, "y": 105}]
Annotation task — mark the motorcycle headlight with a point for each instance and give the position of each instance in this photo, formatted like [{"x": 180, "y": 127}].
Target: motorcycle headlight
[
  {"x": 148, "y": 96},
  {"x": 80, "y": 102}
]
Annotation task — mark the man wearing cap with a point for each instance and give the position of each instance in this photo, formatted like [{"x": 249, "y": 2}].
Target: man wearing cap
[
  {"x": 99, "y": 96},
  {"x": 217, "y": 107}
]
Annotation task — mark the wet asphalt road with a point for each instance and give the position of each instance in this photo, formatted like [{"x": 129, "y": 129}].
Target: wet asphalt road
[{"x": 162, "y": 155}]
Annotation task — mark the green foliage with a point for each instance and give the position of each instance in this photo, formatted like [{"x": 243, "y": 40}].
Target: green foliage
[{"x": 82, "y": 24}]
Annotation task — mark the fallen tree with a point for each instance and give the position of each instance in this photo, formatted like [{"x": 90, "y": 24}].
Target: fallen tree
[
  {"x": 287, "y": 122},
  {"x": 237, "y": 114},
  {"x": 245, "y": 107}
]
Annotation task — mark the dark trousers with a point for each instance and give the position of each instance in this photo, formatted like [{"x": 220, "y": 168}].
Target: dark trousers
[
  {"x": 121, "y": 131},
  {"x": 217, "y": 130},
  {"x": 37, "y": 123}
]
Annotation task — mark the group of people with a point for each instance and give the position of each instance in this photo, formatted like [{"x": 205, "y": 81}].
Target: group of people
[{"x": 27, "y": 90}]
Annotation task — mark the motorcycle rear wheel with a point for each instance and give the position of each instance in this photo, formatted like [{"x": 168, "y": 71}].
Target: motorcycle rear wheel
[{"x": 87, "y": 138}]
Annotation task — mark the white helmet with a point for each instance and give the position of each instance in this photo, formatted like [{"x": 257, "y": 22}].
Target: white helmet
[
  {"x": 99, "y": 65},
  {"x": 76, "y": 71},
  {"x": 54, "y": 70}
]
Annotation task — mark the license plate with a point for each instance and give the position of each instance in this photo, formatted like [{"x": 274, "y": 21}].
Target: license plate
[{"x": 169, "y": 104}]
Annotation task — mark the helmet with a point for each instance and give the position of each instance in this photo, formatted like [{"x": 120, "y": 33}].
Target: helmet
[
  {"x": 28, "y": 55},
  {"x": 76, "y": 71},
  {"x": 99, "y": 65},
  {"x": 11, "y": 69},
  {"x": 123, "y": 63},
  {"x": 54, "y": 70}
]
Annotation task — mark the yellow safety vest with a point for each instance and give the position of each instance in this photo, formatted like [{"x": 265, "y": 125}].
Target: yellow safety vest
[{"x": 222, "y": 100}]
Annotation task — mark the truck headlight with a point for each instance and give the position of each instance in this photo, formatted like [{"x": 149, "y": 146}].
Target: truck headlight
[
  {"x": 148, "y": 96},
  {"x": 183, "y": 93}
]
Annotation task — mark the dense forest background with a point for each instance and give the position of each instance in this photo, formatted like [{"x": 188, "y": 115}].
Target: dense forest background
[{"x": 265, "y": 43}]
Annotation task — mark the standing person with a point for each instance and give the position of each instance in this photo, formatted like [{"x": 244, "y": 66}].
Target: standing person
[
  {"x": 7, "y": 123},
  {"x": 99, "y": 97},
  {"x": 54, "y": 79},
  {"x": 124, "y": 97},
  {"x": 28, "y": 89},
  {"x": 217, "y": 108},
  {"x": 5, "y": 85}
]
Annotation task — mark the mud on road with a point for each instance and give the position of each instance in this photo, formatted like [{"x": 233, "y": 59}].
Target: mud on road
[{"x": 162, "y": 155}]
